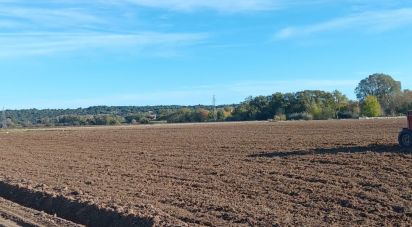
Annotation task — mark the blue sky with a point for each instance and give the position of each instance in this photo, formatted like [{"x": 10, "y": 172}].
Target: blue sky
[{"x": 76, "y": 53}]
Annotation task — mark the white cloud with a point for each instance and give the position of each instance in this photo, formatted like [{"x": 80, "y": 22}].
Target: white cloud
[
  {"x": 16, "y": 45},
  {"x": 41, "y": 14},
  {"x": 219, "y": 5},
  {"x": 46, "y": 27},
  {"x": 178, "y": 5},
  {"x": 376, "y": 21},
  {"x": 246, "y": 5},
  {"x": 190, "y": 5}
]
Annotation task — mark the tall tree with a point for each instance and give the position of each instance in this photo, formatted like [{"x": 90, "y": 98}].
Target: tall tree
[
  {"x": 382, "y": 86},
  {"x": 340, "y": 102}
]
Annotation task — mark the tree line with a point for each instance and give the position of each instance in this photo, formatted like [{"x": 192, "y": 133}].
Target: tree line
[{"x": 377, "y": 95}]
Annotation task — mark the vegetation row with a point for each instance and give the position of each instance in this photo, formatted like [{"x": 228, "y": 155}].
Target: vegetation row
[{"x": 377, "y": 95}]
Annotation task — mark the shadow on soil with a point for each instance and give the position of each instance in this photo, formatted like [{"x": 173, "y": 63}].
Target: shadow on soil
[
  {"x": 335, "y": 150},
  {"x": 75, "y": 211}
]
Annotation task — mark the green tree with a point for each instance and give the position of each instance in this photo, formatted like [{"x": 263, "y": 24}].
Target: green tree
[
  {"x": 403, "y": 102},
  {"x": 382, "y": 86},
  {"x": 371, "y": 107},
  {"x": 221, "y": 115},
  {"x": 277, "y": 104},
  {"x": 352, "y": 110},
  {"x": 133, "y": 118},
  {"x": 259, "y": 107},
  {"x": 200, "y": 115},
  {"x": 341, "y": 102}
]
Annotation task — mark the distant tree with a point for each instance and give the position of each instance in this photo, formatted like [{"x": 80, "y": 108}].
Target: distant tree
[
  {"x": 278, "y": 104},
  {"x": 382, "y": 86},
  {"x": 107, "y": 120},
  {"x": 221, "y": 115},
  {"x": 246, "y": 111},
  {"x": 403, "y": 102},
  {"x": 228, "y": 111},
  {"x": 371, "y": 107},
  {"x": 316, "y": 111},
  {"x": 133, "y": 119},
  {"x": 292, "y": 104},
  {"x": 200, "y": 115},
  {"x": 352, "y": 110},
  {"x": 239, "y": 113},
  {"x": 341, "y": 102},
  {"x": 188, "y": 115},
  {"x": 144, "y": 121},
  {"x": 260, "y": 109}
]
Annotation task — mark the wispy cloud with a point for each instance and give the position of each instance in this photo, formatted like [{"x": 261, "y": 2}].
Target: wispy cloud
[
  {"x": 69, "y": 15},
  {"x": 12, "y": 45},
  {"x": 219, "y": 5},
  {"x": 192, "y": 5},
  {"x": 376, "y": 21},
  {"x": 177, "y": 5},
  {"x": 45, "y": 27},
  {"x": 48, "y": 27},
  {"x": 233, "y": 6}
]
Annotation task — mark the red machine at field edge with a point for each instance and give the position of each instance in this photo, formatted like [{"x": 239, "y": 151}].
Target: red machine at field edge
[{"x": 405, "y": 137}]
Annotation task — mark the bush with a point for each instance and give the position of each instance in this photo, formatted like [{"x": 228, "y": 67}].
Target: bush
[
  {"x": 300, "y": 116},
  {"x": 325, "y": 114},
  {"x": 371, "y": 107},
  {"x": 133, "y": 118},
  {"x": 144, "y": 121},
  {"x": 279, "y": 117},
  {"x": 107, "y": 120},
  {"x": 347, "y": 115}
]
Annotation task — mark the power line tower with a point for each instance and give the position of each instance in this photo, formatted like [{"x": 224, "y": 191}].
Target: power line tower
[
  {"x": 214, "y": 108},
  {"x": 4, "y": 119}
]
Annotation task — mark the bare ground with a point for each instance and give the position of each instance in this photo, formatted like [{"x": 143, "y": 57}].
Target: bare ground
[
  {"x": 282, "y": 173},
  {"x": 12, "y": 215}
]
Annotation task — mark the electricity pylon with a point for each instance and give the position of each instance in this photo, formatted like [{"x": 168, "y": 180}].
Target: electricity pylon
[{"x": 214, "y": 108}]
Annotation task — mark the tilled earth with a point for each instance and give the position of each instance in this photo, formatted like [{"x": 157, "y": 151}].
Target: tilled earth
[
  {"x": 12, "y": 215},
  {"x": 316, "y": 173}
]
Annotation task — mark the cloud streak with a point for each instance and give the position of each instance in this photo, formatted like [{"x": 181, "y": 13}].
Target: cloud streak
[
  {"x": 374, "y": 21},
  {"x": 219, "y": 5},
  {"x": 29, "y": 44},
  {"x": 45, "y": 28},
  {"x": 193, "y": 5}
]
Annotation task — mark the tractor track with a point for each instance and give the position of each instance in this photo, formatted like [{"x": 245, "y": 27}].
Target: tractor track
[
  {"x": 22, "y": 206},
  {"x": 12, "y": 214}
]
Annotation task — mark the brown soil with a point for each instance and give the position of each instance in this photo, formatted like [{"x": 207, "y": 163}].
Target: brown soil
[
  {"x": 316, "y": 173},
  {"x": 12, "y": 215}
]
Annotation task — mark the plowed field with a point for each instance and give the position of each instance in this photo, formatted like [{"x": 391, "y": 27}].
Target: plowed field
[
  {"x": 12, "y": 215},
  {"x": 316, "y": 173}
]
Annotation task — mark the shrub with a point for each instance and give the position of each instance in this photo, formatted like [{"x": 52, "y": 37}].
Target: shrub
[
  {"x": 279, "y": 117},
  {"x": 300, "y": 116},
  {"x": 371, "y": 107},
  {"x": 144, "y": 121},
  {"x": 347, "y": 115}
]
